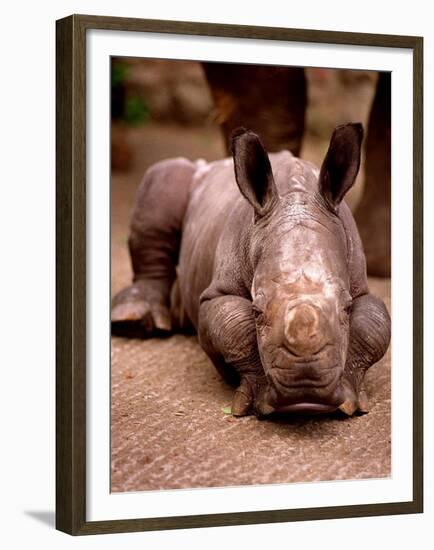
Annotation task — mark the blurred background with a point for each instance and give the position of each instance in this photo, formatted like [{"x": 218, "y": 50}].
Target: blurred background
[
  {"x": 163, "y": 108},
  {"x": 169, "y": 104},
  {"x": 160, "y": 106}
]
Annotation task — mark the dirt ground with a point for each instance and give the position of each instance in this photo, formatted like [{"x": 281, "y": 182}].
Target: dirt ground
[{"x": 169, "y": 429}]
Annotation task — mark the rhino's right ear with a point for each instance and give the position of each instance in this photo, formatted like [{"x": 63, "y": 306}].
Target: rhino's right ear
[
  {"x": 253, "y": 171},
  {"x": 341, "y": 163}
]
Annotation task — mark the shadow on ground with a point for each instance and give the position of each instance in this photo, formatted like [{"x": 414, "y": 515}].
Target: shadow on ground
[{"x": 47, "y": 517}]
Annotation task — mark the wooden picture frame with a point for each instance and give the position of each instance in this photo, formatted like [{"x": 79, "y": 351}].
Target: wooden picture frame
[{"x": 71, "y": 274}]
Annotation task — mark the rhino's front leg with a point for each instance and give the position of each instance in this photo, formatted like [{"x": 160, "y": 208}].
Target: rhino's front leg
[
  {"x": 369, "y": 340},
  {"x": 227, "y": 333}
]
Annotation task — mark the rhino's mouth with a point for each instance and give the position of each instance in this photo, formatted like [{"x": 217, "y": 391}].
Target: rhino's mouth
[
  {"x": 311, "y": 408},
  {"x": 287, "y": 394},
  {"x": 301, "y": 381}
]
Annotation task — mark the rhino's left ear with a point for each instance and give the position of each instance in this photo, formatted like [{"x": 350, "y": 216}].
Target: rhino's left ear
[
  {"x": 341, "y": 164},
  {"x": 253, "y": 171}
]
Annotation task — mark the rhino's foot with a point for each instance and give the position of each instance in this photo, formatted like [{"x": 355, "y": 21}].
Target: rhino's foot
[
  {"x": 356, "y": 402},
  {"x": 134, "y": 315},
  {"x": 248, "y": 395}
]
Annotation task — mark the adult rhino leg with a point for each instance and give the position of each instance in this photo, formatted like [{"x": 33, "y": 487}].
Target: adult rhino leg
[
  {"x": 270, "y": 101},
  {"x": 373, "y": 214},
  {"x": 369, "y": 340},
  {"x": 227, "y": 333},
  {"x": 143, "y": 308}
]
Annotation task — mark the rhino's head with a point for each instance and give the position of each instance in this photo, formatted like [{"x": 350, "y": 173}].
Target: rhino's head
[{"x": 299, "y": 255}]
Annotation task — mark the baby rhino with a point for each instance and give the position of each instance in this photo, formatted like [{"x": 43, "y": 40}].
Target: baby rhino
[{"x": 261, "y": 256}]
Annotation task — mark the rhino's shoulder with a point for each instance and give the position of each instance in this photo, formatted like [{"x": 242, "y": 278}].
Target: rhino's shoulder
[
  {"x": 204, "y": 168},
  {"x": 172, "y": 164}
]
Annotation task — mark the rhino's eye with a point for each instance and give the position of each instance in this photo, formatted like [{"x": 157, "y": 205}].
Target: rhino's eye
[
  {"x": 345, "y": 312},
  {"x": 348, "y": 303},
  {"x": 348, "y": 307},
  {"x": 257, "y": 311}
]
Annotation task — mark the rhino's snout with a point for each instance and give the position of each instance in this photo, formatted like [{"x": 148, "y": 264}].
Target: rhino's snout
[{"x": 305, "y": 330}]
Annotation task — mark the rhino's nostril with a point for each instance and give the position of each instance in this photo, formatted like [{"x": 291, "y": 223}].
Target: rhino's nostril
[{"x": 305, "y": 330}]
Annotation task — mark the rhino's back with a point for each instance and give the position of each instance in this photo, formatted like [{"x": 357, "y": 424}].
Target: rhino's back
[{"x": 213, "y": 194}]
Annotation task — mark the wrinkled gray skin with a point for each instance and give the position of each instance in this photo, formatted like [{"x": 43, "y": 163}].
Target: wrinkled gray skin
[{"x": 270, "y": 272}]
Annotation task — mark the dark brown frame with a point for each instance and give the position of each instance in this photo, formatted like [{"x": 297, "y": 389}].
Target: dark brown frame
[{"x": 71, "y": 274}]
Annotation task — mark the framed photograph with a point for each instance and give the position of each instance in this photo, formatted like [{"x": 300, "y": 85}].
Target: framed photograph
[{"x": 239, "y": 275}]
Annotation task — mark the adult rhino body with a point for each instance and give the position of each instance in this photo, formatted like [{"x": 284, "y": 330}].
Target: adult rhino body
[{"x": 270, "y": 272}]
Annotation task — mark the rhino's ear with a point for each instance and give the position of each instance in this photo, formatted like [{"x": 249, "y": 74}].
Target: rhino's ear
[
  {"x": 341, "y": 163},
  {"x": 253, "y": 171}
]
